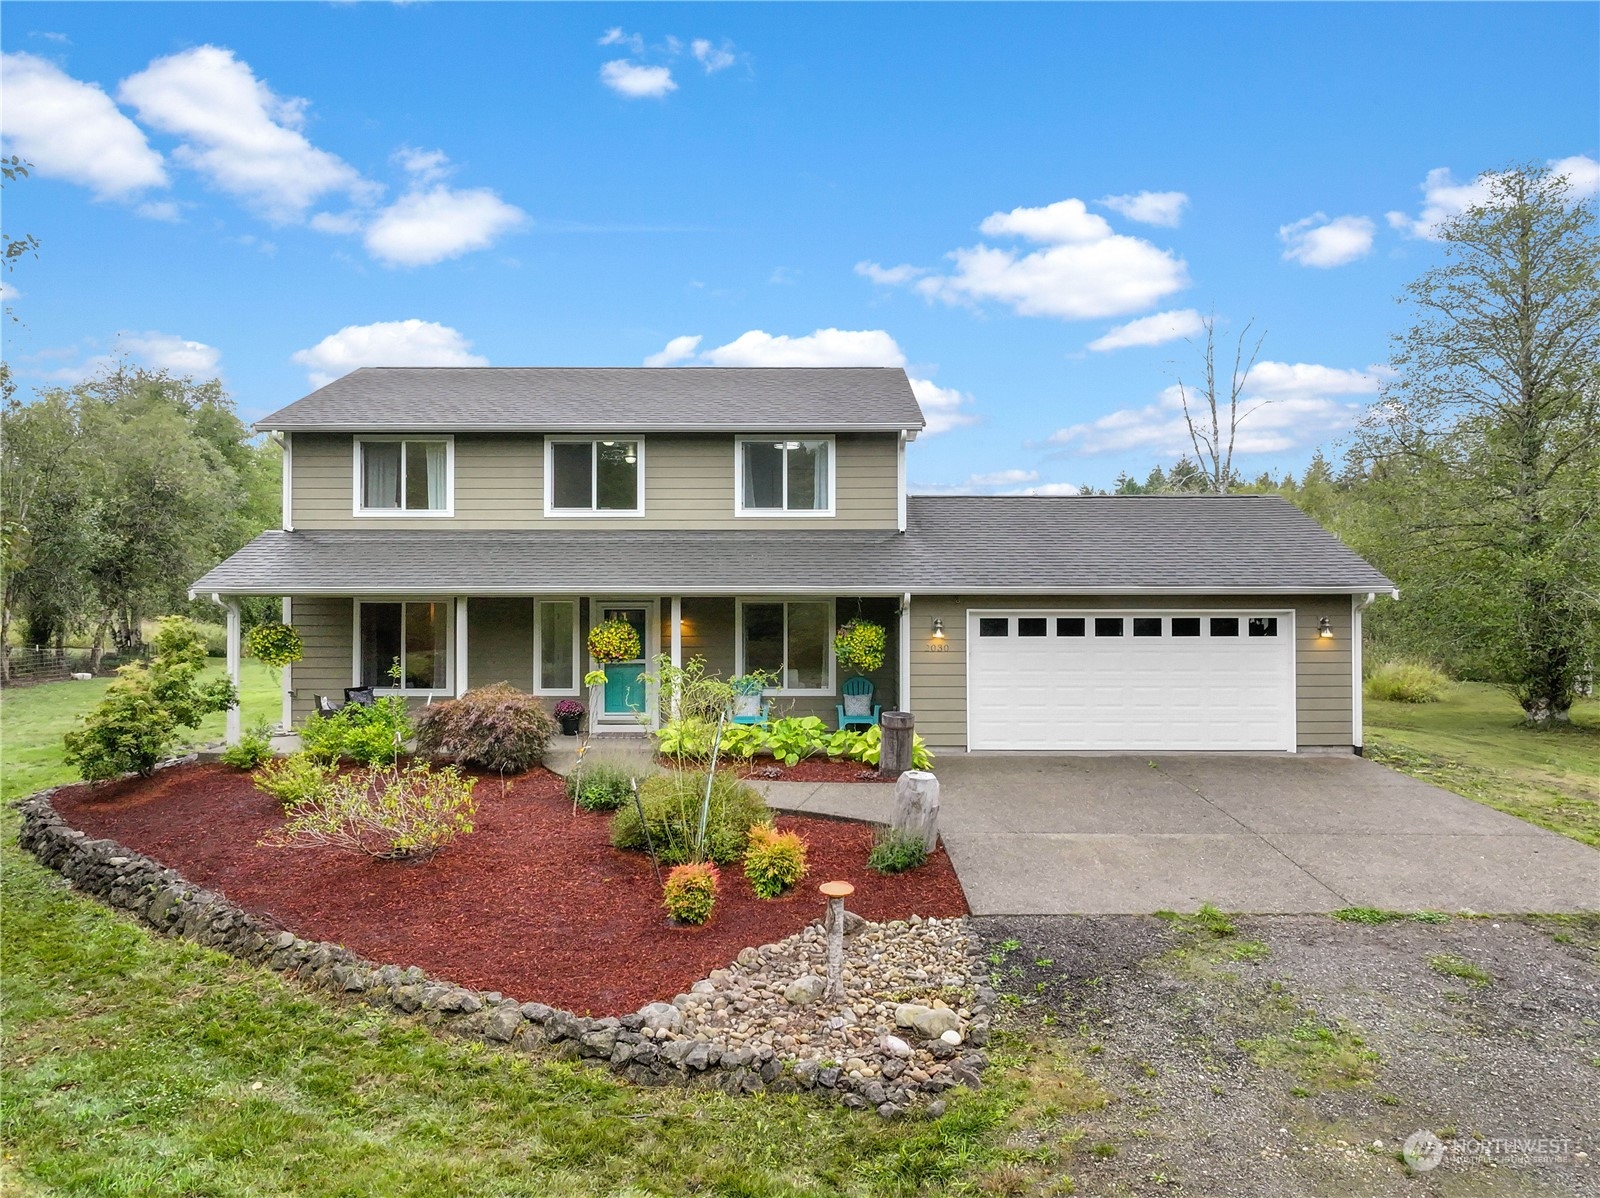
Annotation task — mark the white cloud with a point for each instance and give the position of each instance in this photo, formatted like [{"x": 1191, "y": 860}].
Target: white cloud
[
  {"x": 944, "y": 408},
  {"x": 239, "y": 134},
  {"x": 1084, "y": 271},
  {"x": 637, "y": 81},
  {"x": 163, "y": 351},
  {"x": 424, "y": 227},
  {"x": 8, "y": 292},
  {"x": 1002, "y": 478},
  {"x": 1317, "y": 240},
  {"x": 1150, "y": 330},
  {"x": 825, "y": 347},
  {"x": 713, "y": 58},
  {"x": 1045, "y": 489},
  {"x": 162, "y": 210},
  {"x": 679, "y": 349},
  {"x": 424, "y": 166},
  {"x": 889, "y": 276},
  {"x": 1150, "y": 207},
  {"x": 386, "y": 343},
  {"x": 71, "y": 130},
  {"x": 1308, "y": 406},
  {"x": 616, "y": 37},
  {"x": 1443, "y": 196}
]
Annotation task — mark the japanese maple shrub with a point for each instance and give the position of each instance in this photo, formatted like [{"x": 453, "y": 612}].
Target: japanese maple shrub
[
  {"x": 494, "y": 727},
  {"x": 775, "y": 860},
  {"x": 690, "y": 892}
]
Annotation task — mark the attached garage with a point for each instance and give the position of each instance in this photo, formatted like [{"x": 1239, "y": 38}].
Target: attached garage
[{"x": 1131, "y": 680}]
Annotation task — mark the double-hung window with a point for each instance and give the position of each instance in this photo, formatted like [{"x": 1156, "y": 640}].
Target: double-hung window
[
  {"x": 791, "y": 642},
  {"x": 405, "y": 476},
  {"x": 587, "y": 476},
  {"x": 781, "y": 477},
  {"x": 404, "y": 646}
]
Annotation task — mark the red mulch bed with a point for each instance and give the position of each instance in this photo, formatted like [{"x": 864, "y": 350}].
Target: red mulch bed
[{"x": 535, "y": 903}]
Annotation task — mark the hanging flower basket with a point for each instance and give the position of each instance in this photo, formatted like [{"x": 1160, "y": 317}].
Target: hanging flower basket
[
  {"x": 859, "y": 645},
  {"x": 614, "y": 640},
  {"x": 276, "y": 645}
]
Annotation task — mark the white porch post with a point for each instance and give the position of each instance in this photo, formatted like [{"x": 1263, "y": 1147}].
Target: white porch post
[
  {"x": 233, "y": 667},
  {"x": 903, "y": 699},
  {"x": 288, "y": 675},
  {"x": 677, "y": 646},
  {"x": 461, "y": 645}
]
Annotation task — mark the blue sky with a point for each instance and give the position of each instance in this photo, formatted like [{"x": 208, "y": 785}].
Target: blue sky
[{"x": 1025, "y": 205}]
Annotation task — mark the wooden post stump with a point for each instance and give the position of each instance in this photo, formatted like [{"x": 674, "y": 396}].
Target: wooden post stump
[
  {"x": 916, "y": 808},
  {"x": 836, "y": 893},
  {"x": 894, "y": 752}
]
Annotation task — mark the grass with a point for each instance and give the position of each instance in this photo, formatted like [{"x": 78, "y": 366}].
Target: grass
[
  {"x": 138, "y": 1065},
  {"x": 1473, "y": 742},
  {"x": 1321, "y": 1056},
  {"x": 1452, "y": 966},
  {"x": 33, "y": 720}
]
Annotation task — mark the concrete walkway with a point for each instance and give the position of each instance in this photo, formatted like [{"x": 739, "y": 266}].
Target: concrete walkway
[{"x": 1044, "y": 835}]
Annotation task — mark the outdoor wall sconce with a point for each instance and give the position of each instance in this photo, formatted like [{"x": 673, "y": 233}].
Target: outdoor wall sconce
[
  {"x": 938, "y": 629},
  {"x": 1325, "y": 629}
]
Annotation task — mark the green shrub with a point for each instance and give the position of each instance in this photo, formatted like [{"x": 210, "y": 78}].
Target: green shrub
[
  {"x": 867, "y": 746},
  {"x": 1406, "y": 682},
  {"x": 296, "y": 779},
  {"x": 743, "y": 741},
  {"x": 689, "y": 737},
  {"x": 136, "y": 724},
  {"x": 672, "y": 801},
  {"x": 895, "y": 852},
  {"x": 254, "y": 747},
  {"x": 494, "y": 727},
  {"x": 774, "y": 861},
  {"x": 391, "y": 814},
  {"x": 797, "y": 736},
  {"x": 690, "y": 892},
  {"x": 601, "y": 786},
  {"x": 369, "y": 735}
]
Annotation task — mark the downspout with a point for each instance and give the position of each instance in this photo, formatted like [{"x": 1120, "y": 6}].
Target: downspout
[
  {"x": 903, "y": 699},
  {"x": 1357, "y": 717}
]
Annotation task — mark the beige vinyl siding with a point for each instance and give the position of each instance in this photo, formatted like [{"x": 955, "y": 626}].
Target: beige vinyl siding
[
  {"x": 1322, "y": 667},
  {"x": 499, "y": 483},
  {"x": 326, "y": 628},
  {"x": 500, "y": 642}
]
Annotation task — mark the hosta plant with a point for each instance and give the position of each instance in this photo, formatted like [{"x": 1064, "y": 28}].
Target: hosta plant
[
  {"x": 775, "y": 860},
  {"x": 690, "y": 892},
  {"x": 794, "y": 737}
]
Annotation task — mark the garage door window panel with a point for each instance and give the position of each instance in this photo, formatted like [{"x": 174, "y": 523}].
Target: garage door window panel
[
  {"x": 1263, "y": 625},
  {"x": 1069, "y": 626},
  {"x": 1185, "y": 625},
  {"x": 1224, "y": 625},
  {"x": 1147, "y": 626},
  {"x": 1108, "y": 626},
  {"x": 994, "y": 626},
  {"x": 1032, "y": 626}
]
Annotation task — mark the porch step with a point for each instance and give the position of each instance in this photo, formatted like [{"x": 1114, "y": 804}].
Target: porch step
[{"x": 620, "y": 748}]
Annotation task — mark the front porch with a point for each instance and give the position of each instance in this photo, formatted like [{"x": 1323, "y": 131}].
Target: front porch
[{"x": 430, "y": 647}]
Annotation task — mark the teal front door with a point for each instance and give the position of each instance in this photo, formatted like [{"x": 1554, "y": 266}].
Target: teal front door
[{"x": 625, "y": 696}]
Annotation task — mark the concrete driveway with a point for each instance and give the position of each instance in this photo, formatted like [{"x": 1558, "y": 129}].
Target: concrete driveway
[{"x": 1048, "y": 835}]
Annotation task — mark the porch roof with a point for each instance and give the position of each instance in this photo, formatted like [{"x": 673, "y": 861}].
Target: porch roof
[{"x": 952, "y": 544}]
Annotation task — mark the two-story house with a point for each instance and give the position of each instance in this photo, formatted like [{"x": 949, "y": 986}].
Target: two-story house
[{"x": 471, "y": 524}]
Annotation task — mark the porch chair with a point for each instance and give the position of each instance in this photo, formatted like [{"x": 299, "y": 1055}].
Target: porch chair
[
  {"x": 746, "y": 689},
  {"x": 859, "y": 689}
]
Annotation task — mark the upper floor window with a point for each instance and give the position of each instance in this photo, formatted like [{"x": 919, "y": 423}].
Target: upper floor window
[
  {"x": 402, "y": 476},
  {"x": 784, "y": 477},
  {"x": 585, "y": 476}
]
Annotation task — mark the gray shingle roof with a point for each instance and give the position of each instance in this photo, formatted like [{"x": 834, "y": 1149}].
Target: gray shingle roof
[
  {"x": 958, "y": 544},
  {"x": 419, "y": 398}
]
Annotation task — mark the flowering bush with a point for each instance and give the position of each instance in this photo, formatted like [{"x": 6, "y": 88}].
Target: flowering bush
[
  {"x": 690, "y": 892},
  {"x": 614, "y": 640},
  {"x": 774, "y": 861},
  {"x": 276, "y": 645},
  {"x": 568, "y": 708},
  {"x": 859, "y": 645},
  {"x": 390, "y": 814},
  {"x": 496, "y": 727}
]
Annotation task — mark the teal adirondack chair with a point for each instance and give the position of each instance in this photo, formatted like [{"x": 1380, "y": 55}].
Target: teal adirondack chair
[
  {"x": 858, "y": 686},
  {"x": 746, "y": 688}
]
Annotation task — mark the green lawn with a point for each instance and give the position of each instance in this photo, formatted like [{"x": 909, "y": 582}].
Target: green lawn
[
  {"x": 138, "y": 1065},
  {"x": 1473, "y": 742}
]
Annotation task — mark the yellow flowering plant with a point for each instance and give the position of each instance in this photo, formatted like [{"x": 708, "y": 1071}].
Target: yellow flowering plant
[{"x": 614, "y": 640}]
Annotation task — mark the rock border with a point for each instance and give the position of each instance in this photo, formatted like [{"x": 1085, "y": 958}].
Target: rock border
[{"x": 164, "y": 900}]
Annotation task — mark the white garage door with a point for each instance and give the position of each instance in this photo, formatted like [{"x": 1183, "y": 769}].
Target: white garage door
[{"x": 1130, "y": 680}]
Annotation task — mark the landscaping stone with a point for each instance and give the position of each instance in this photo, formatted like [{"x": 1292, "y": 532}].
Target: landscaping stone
[{"x": 761, "y": 1022}]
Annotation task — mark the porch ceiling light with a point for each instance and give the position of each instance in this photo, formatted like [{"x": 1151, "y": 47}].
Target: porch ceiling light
[
  {"x": 938, "y": 629},
  {"x": 1325, "y": 629}
]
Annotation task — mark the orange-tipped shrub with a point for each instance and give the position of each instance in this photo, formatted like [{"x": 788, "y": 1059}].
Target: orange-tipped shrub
[
  {"x": 774, "y": 861},
  {"x": 690, "y": 892}
]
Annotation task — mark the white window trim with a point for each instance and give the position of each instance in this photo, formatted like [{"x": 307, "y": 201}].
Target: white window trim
[
  {"x": 599, "y": 718},
  {"x": 832, "y": 686},
  {"x": 784, "y": 513},
  {"x": 404, "y": 513},
  {"x": 576, "y": 688},
  {"x": 589, "y": 513},
  {"x": 448, "y": 690}
]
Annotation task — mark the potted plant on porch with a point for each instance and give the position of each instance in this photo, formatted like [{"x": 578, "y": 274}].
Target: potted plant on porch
[{"x": 569, "y": 714}]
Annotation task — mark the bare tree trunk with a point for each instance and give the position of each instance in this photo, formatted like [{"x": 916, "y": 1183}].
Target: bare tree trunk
[{"x": 1212, "y": 431}]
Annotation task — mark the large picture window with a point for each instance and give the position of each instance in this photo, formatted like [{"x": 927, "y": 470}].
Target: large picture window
[
  {"x": 789, "y": 641},
  {"x": 593, "y": 477},
  {"x": 785, "y": 477},
  {"x": 410, "y": 640},
  {"x": 401, "y": 476},
  {"x": 556, "y": 668}
]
